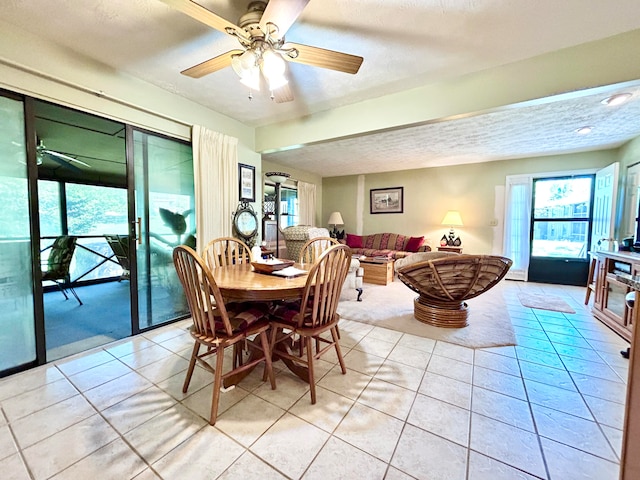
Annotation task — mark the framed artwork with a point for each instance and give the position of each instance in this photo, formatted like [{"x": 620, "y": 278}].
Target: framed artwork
[
  {"x": 387, "y": 200},
  {"x": 247, "y": 182}
]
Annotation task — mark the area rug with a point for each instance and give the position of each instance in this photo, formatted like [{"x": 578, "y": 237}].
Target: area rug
[
  {"x": 545, "y": 302},
  {"x": 391, "y": 307}
]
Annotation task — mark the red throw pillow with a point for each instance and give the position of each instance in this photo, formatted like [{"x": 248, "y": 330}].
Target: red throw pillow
[
  {"x": 414, "y": 244},
  {"x": 354, "y": 241}
]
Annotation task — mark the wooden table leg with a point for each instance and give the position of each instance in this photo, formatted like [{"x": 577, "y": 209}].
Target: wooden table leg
[{"x": 283, "y": 346}]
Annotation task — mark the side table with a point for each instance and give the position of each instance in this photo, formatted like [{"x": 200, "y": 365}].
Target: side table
[{"x": 450, "y": 249}]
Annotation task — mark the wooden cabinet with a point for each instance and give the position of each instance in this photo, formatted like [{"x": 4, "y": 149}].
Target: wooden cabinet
[
  {"x": 609, "y": 305},
  {"x": 379, "y": 272}
]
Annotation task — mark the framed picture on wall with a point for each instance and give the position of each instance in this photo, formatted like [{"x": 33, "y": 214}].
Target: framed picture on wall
[
  {"x": 387, "y": 200},
  {"x": 247, "y": 182}
]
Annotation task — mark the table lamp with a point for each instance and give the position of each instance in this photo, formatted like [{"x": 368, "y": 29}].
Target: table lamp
[
  {"x": 336, "y": 219},
  {"x": 452, "y": 219}
]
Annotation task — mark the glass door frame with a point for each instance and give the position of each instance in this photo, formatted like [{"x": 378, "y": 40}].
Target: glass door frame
[
  {"x": 135, "y": 226},
  {"x": 573, "y": 268},
  {"x": 34, "y": 232}
]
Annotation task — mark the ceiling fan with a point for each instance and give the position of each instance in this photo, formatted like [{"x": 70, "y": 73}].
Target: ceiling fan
[
  {"x": 60, "y": 158},
  {"x": 264, "y": 50}
]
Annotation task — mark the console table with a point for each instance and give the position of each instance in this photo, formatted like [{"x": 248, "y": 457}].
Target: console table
[{"x": 609, "y": 290}]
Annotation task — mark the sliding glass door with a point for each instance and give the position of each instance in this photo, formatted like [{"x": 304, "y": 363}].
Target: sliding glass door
[
  {"x": 163, "y": 217},
  {"x": 17, "y": 325}
]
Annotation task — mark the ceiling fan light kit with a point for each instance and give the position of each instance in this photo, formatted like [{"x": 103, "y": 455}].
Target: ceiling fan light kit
[{"x": 264, "y": 52}]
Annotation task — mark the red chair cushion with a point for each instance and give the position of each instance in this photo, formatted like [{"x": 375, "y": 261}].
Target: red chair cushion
[{"x": 242, "y": 315}]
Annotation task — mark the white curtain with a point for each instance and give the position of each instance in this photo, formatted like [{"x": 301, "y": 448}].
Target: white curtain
[
  {"x": 307, "y": 203},
  {"x": 215, "y": 168},
  {"x": 517, "y": 225}
]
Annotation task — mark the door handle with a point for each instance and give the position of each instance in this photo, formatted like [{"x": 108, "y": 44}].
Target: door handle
[{"x": 137, "y": 230}]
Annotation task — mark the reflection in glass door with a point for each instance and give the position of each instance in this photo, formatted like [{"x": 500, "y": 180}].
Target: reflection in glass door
[
  {"x": 164, "y": 217},
  {"x": 17, "y": 326}
]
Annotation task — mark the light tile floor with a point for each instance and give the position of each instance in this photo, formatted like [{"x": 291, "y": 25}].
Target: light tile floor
[{"x": 551, "y": 407}]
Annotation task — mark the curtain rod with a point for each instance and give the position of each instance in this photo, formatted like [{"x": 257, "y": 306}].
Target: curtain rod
[{"x": 82, "y": 88}]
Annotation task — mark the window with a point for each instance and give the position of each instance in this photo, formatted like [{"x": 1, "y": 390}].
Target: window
[
  {"x": 561, "y": 217},
  {"x": 89, "y": 212}
]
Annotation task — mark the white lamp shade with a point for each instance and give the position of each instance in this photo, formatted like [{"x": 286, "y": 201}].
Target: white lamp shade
[
  {"x": 335, "y": 219},
  {"x": 272, "y": 64},
  {"x": 277, "y": 177},
  {"x": 452, "y": 219}
]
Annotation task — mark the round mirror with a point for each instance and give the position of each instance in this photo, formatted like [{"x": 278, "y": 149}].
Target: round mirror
[{"x": 245, "y": 223}]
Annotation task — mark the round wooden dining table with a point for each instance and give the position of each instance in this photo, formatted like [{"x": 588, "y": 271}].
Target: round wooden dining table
[{"x": 242, "y": 283}]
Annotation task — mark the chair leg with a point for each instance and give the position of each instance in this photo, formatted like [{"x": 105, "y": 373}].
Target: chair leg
[
  {"x": 192, "y": 364},
  {"x": 75, "y": 295},
  {"x": 267, "y": 359},
  {"x": 312, "y": 380},
  {"x": 336, "y": 344},
  {"x": 217, "y": 383},
  {"x": 66, "y": 297}
]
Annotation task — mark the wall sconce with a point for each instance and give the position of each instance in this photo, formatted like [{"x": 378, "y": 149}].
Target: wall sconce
[
  {"x": 451, "y": 219},
  {"x": 335, "y": 219}
]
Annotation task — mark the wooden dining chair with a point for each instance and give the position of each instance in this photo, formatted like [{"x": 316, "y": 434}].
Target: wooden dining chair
[
  {"x": 315, "y": 314},
  {"x": 224, "y": 251},
  {"x": 314, "y": 247},
  {"x": 217, "y": 326}
]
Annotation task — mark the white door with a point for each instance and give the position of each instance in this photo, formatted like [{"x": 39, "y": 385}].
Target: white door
[{"x": 604, "y": 207}]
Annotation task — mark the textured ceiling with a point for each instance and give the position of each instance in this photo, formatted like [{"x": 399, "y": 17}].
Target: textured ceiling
[
  {"x": 405, "y": 44},
  {"x": 541, "y": 129}
]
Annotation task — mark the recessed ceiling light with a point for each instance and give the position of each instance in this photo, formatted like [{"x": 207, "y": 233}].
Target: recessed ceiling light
[
  {"x": 617, "y": 99},
  {"x": 584, "y": 130}
]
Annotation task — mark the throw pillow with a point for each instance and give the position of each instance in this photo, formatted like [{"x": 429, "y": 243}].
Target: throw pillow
[
  {"x": 414, "y": 244},
  {"x": 354, "y": 241}
]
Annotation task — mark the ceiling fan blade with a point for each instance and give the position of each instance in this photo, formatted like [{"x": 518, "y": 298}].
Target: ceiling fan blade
[
  {"x": 211, "y": 65},
  {"x": 202, "y": 15},
  {"x": 320, "y": 57},
  {"x": 64, "y": 163},
  {"x": 283, "y": 94},
  {"x": 282, "y": 13},
  {"x": 65, "y": 158}
]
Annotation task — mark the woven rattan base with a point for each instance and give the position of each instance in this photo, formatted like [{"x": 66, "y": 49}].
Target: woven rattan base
[{"x": 448, "y": 317}]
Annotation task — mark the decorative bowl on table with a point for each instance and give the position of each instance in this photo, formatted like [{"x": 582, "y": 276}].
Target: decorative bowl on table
[{"x": 271, "y": 265}]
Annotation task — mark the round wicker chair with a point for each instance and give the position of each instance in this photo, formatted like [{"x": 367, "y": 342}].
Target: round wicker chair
[{"x": 445, "y": 282}]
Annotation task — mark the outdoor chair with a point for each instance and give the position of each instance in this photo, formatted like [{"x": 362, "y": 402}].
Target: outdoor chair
[
  {"x": 59, "y": 263},
  {"x": 120, "y": 246}
]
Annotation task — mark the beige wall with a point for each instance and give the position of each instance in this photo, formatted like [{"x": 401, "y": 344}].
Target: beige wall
[{"x": 430, "y": 192}]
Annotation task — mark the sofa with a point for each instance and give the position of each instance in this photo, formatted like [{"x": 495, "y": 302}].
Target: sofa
[
  {"x": 295, "y": 238},
  {"x": 392, "y": 245}
]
